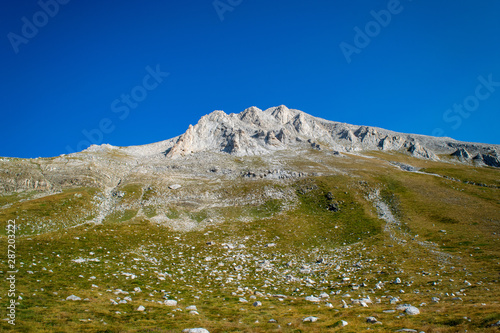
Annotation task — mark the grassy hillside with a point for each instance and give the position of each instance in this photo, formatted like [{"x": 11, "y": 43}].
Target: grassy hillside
[{"x": 272, "y": 241}]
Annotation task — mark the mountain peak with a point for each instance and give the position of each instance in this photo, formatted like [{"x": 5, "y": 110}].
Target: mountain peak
[
  {"x": 257, "y": 132},
  {"x": 280, "y": 113}
]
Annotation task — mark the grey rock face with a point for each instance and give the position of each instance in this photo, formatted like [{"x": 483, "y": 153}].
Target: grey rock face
[
  {"x": 253, "y": 132},
  {"x": 257, "y": 132},
  {"x": 461, "y": 154}
]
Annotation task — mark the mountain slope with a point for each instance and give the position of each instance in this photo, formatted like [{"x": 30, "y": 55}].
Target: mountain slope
[
  {"x": 257, "y": 132},
  {"x": 268, "y": 206}
]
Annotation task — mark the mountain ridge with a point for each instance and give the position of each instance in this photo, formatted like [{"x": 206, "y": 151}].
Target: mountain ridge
[{"x": 257, "y": 132}]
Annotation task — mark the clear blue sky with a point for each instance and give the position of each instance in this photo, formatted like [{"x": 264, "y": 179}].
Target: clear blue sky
[{"x": 74, "y": 72}]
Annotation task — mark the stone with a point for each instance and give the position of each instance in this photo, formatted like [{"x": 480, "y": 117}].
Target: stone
[
  {"x": 73, "y": 298},
  {"x": 310, "y": 319},
  {"x": 191, "y": 307},
  {"x": 394, "y": 300},
  {"x": 257, "y": 303},
  {"x": 170, "y": 302},
  {"x": 371, "y": 320},
  {"x": 140, "y": 308},
  {"x": 195, "y": 330},
  {"x": 174, "y": 186},
  {"x": 313, "y": 299},
  {"x": 408, "y": 309}
]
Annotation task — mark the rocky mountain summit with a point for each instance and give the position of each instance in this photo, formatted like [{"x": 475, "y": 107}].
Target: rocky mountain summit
[{"x": 257, "y": 132}]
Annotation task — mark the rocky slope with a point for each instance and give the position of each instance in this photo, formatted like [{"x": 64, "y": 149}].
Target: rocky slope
[
  {"x": 218, "y": 135},
  {"x": 260, "y": 221},
  {"x": 256, "y": 132}
]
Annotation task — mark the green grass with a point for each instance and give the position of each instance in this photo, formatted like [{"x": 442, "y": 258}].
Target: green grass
[
  {"x": 121, "y": 216},
  {"x": 50, "y": 213},
  {"x": 271, "y": 241}
]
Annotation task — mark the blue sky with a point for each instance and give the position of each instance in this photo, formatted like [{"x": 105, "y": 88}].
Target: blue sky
[{"x": 421, "y": 66}]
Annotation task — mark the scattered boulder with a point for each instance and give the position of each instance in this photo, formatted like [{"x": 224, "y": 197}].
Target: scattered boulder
[
  {"x": 170, "y": 302},
  {"x": 408, "y": 309},
  {"x": 310, "y": 319},
  {"x": 313, "y": 299},
  {"x": 73, "y": 298},
  {"x": 195, "y": 330},
  {"x": 141, "y": 308}
]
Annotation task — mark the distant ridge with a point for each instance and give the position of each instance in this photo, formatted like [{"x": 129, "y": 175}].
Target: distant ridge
[{"x": 257, "y": 132}]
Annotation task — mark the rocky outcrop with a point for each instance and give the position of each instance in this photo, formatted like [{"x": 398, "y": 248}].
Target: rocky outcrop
[
  {"x": 417, "y": 150},
  {"x": 488, "y": 159},
  {"x": 257, "y": 132},
  {"x": 461, "y": 154}
]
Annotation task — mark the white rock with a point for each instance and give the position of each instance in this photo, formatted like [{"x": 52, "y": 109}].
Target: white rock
[
  {"x": 408, "y": 309},
  {"x": 73, "y": 298},
  {"x": 411, "y": 310},
  {"x": 313, "y": 299},
  {"x": 195, "y": 330},
  {"x": 257, "y": 303},
  {"x": 170, "y": 302},
  {"x": 174, "y": 186},
  {"x": 191, "y": 307},
  {"x": 310, "y": 319},
  {"x": 141, "y": 308}
]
